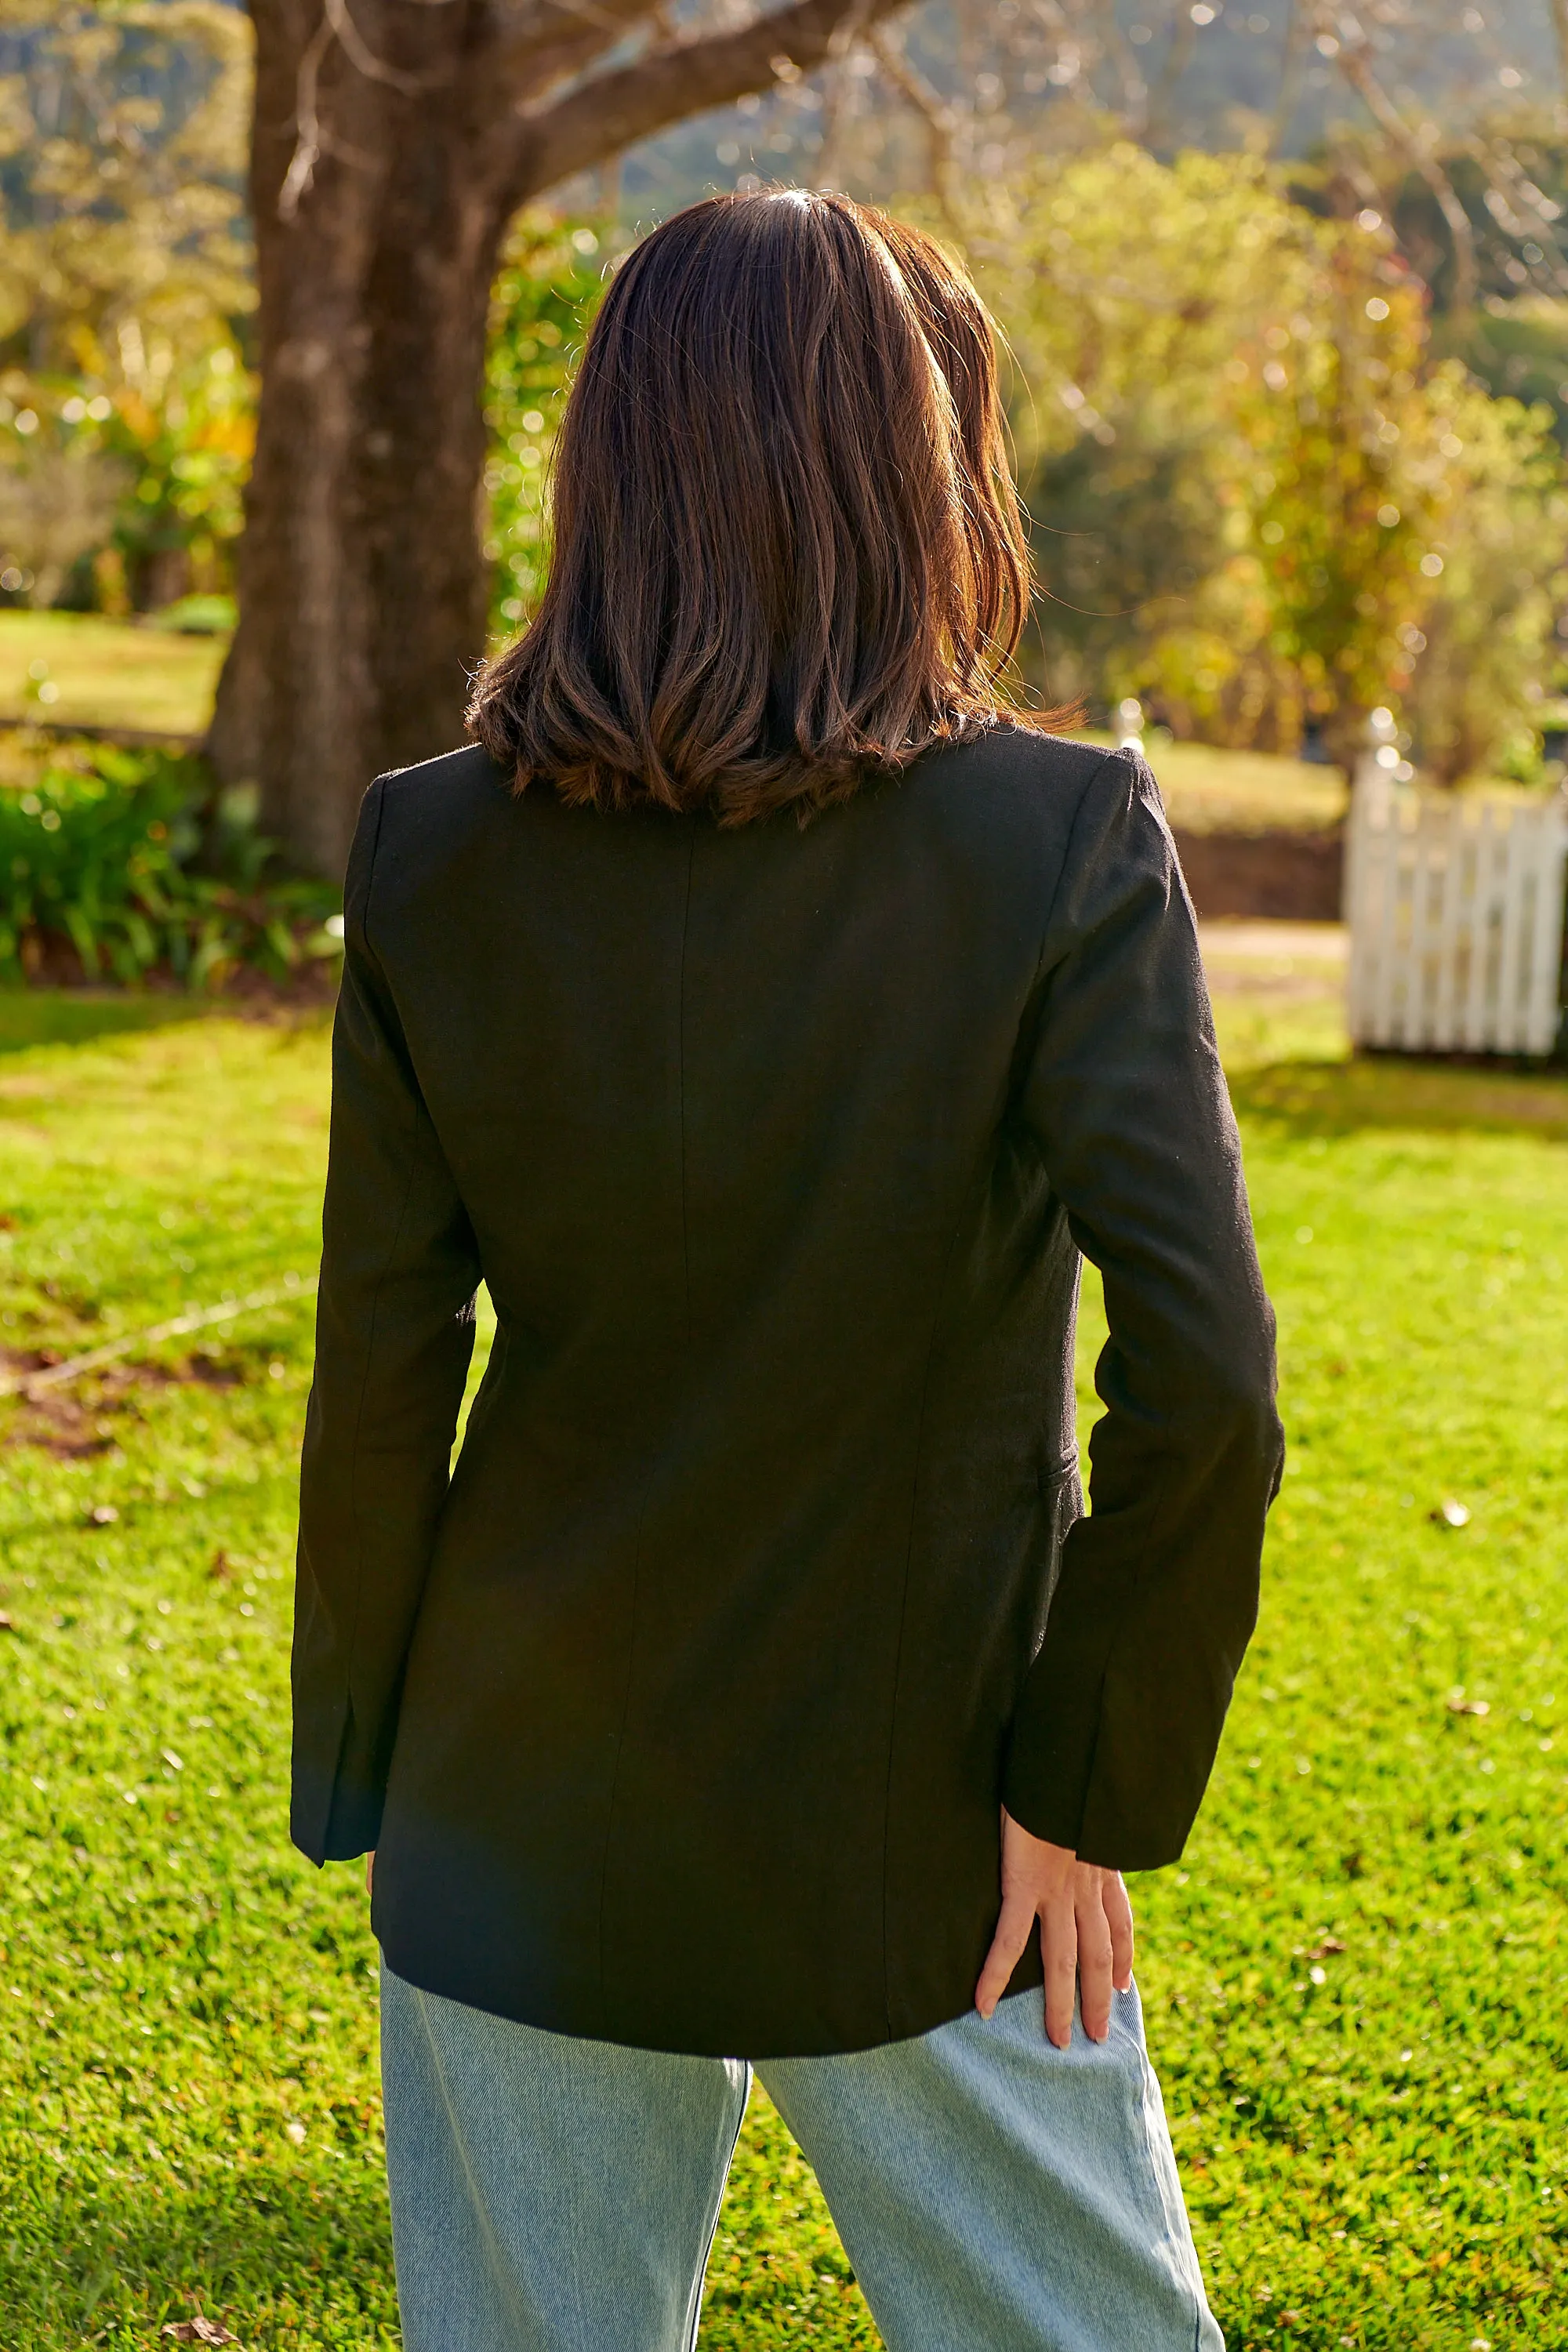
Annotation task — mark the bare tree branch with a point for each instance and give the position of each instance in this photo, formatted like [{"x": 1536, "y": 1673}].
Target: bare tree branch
[
  {"x": 363, "y": 58},
  {"x": 1353, "y": 57},
  {"x": 942, "y": 119},
  {"x": 1123, "y": 58},
  {"x": 1178, "y": 56},
  {"x": 311, "y": 138},
  {"x": 611, "y": 111},
  {"x": 1560, "y": 26},
  {"x": 1522, "y": 209},
  {"x": 556, "y": 39},
  {"x": 1292, "y": 57},
  {"x": 846, "y": 39},
  {"x": 308, "y": 134}
]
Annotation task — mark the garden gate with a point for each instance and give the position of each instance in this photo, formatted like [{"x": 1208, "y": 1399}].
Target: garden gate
[{"x": 1455, "y": 903}]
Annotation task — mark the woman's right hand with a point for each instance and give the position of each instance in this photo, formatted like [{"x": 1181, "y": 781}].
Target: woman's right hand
[{"x": 1085, "y": 1932}]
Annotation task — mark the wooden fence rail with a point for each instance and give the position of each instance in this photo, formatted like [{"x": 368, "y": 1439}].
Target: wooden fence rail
[{"x": 1455, "y": 903}]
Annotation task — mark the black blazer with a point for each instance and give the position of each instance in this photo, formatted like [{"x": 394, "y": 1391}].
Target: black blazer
[{"x": 681, "y": 1714}]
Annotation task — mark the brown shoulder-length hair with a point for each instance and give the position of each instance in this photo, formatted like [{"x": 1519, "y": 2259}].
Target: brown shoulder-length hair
[{"x": 788, "y": 551}]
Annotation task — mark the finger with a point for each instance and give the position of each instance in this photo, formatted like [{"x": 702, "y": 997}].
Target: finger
[
  {"x": 1119, "y": 1911},
  {"x": 1093, "y": 1964},
  {"x": 1058, "y": 1953},
  {"x": 1018, "y": 1918}
]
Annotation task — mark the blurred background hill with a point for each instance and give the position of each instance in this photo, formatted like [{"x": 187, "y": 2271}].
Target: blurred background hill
[{"x": 1230, "y": 75}]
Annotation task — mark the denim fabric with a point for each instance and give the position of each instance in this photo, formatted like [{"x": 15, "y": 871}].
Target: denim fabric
[{"x": 995, "y": 2194}]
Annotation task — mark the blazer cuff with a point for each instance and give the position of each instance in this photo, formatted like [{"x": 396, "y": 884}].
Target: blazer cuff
[
  {"x": 1050, "y": 1762},
  {"x": 335, "y": 1807}
]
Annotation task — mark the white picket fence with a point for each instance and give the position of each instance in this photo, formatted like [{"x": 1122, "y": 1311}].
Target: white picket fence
[{"x": 1455, "y": 903}]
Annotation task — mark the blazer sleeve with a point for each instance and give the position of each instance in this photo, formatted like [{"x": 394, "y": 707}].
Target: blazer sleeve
[
  {"x": 393, "y": 1336},
  {"x": 1119, "y": 1718}
]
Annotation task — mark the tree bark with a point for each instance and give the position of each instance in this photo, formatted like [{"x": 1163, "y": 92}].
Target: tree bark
[{"x": 391, "y": 147}]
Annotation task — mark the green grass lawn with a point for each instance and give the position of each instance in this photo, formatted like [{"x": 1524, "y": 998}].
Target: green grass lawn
[
  {"x": 106, "y": 673},
  {"x": 1354, "y": 1982},
  {"x": 1208, "y": 790}
]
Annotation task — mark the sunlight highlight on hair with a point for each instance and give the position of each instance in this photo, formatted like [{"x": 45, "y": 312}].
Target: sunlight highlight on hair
[{"x": 789, "y": 554}]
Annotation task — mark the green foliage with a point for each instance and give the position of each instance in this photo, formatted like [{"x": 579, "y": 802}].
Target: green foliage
[
  {"x": 1491, "y": 648},
  {"x": 165, "y": 447},
  {"x": 1353, "y": 1983},
  {"x": 184, "y": 434},
  {"x": 59, "y": 494},
  {"x": 107, "y": 855},
  {"x": 545, "y": 293},
  {"x": 1519, "y": 348},
  {"x": 122, "y": 149},
  {"x": 125, "y": 423},
  {"x": 164, "y": 435},
  {"x": 1342, "y": 478},
  {"x": 1256, "y": 498},
  {"x": 1507, "y": 165}
]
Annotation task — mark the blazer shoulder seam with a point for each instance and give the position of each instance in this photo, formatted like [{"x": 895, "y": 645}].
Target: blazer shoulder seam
[{"x": 1070, "y": 849}]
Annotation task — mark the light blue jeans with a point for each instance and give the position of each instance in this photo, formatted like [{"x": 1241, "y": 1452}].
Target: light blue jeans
[{"x": 994, "y": 2194}]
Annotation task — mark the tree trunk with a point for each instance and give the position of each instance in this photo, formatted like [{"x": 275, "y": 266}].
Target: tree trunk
[
  {"x": 390, "y": 148},
  {"x": 362, "y": 582}
]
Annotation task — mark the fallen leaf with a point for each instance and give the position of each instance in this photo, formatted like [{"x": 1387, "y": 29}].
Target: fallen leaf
[
  {"x": 199, "y": 2331},
  {"x": 103, "y": 1515},
  {"x": 296, "y": 2132},
  {"x": 1328, "y": 1945},
  {"x": 1450, "y": 1514},
  {"x": 1469, "y": 1706},
  {"x": 220, "y": 1566},
  {"x": 5, "y": 1624}
]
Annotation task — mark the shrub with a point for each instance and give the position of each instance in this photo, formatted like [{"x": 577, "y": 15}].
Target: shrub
[
  {"x": 144, "y": 473},
  {"x": 185, "y": 437},
  {"x": 545, "y": 293},
  {"x": 1489, "y": 655},
  {"x": 57, "y": 502},
  {"x": 163, "y": 439},
  {"x": 129, "y": 861},
  {"x": 1257, "y": 502}
]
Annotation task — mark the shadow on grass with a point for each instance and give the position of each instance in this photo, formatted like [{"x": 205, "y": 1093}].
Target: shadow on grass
[
  {"x": 74, "y": 1016},
  {"x": 1383, "y": 1090},
  {"x": 290, "y": 2251}
]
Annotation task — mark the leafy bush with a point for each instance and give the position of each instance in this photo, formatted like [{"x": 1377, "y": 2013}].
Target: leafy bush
[
  {"x": 545, "y": 293},
  {"x": 144, "y": 472},
  {"x": 1257, "y": 502},
  {"x": 132, "y": 861},
  {"x": 184, "y": 434},
  {"x": 1492, "y": 654},
  {"x": 165, "y": 436},
  {"x": 57, "y": 502}
]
